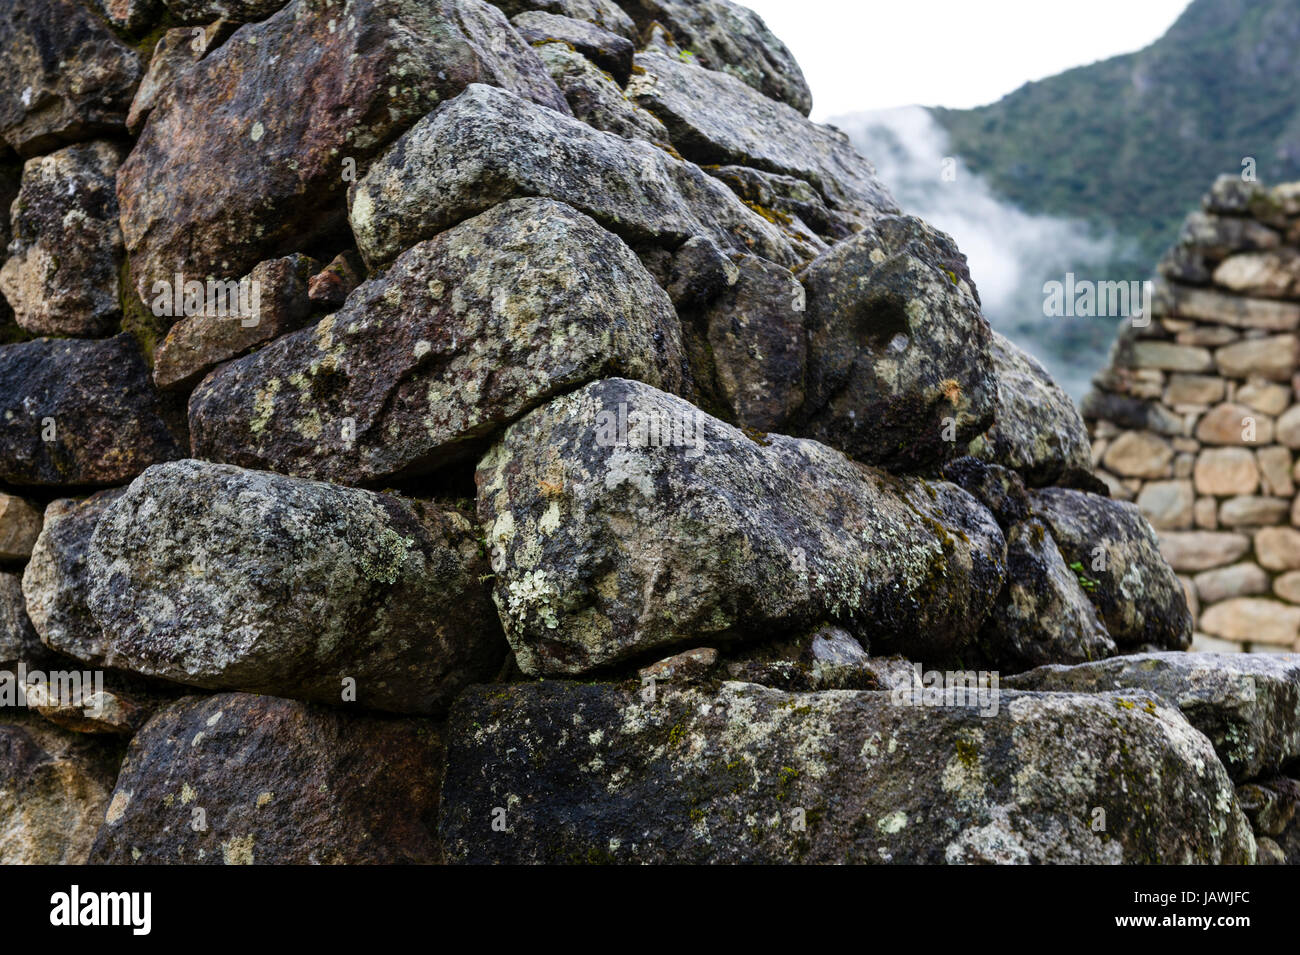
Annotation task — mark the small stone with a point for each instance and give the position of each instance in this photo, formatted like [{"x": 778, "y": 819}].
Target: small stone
[
  {"x": 1252, "y": 511},
  {"x": 1268, "y": 275},
  {"x": 1278, "y": 548},
  {"x": 1272, "y": 358},
  {"x": 1239, "y": 580},
  {"x": 1235, "y": 424},
  {"x": 1167, "y": 504},
  {"x": 1288, "y": 427},
  {"x": 20, "y": 525},
  {"x": 1206, "y": 513},
  {"x": 1267, "y": 397},
  {"x": 1194, "y": 389},
  {"x": 329, "y": 288},
  {"x": 1275, "y": 471},
  {"x": 1171, "y": 357},
  {"x": 1226, "y": 471},
  {"x": 1139, "y": 454},
  {"x": 689, "y": 666},
  {"x": 1253, "y": 620},
  {"x": 1234, "y": 310},
  {"x": 1287, "y": 586},
  {"x": 609, "y": 51},
  {"x": 1190, "y": 551}
]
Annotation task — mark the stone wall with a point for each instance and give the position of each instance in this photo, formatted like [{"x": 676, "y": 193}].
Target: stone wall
[{"x": 1196, "y": 419}]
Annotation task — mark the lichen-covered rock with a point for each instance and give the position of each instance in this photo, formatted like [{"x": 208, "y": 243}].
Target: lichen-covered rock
[
  {"x": 56, "y": 582},
  {"x": 462, "y": 335},
  {"x": 1037, "y": 430},
  {"x": 596, "y": 99},
  {"x": 205, "y": 11},
  {"x": 277, "y": 290},
  {"x": 1248, "y": 704},
  {"x": 748, "y": 347},
  {"x": 726, "y": 36},
  {"x": 223, "y": 578},
  {"x": 54, "y": 789},
  {"x": 285, "y": 104},
  {"x": 999, "y": 489},
  {"x": 330, "y": 287},
  {"x": 743, "y": 773},
  {"x": 80, "y": 413},
  {"x": 488, "y": 146},
  {"x": 900, "y": 372},
  {"x": 65, "y": 77},
  {"x": 608, "y": 50},
  {"x": 176, "y": 51},
  {"x": 20, "y": 525},
  {"x": 1042, "y": 615},
  {"x": 1110, "y": 545},
  {"x": 714, "y": 118},
  {"x": 18, "y": 639},
  {"x": 787, "y": 197},
  {"x": 604, "y": 13},
  {"x": 61, "y": 277},
  {"x": 623, "y": 520},
  {"x": 237, "y": 779}
]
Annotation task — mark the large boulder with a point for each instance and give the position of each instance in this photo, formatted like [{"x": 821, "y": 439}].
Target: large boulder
[
  {"x": 237, "y": 779},
  {"x": 726, "y": 36},
  {"x": 488, "y": 146},
  {"x": 1113, "y": 551},
  {"x": 54, "y": 789},
  {"x": 61, "y": 277},
  {"x": 623, "y": 520},
  {"x": 1248, "y": 704},
  {"x": 1037, "y": 431},
  {"x": 65, "y": 77},
  {"x": 900, "y": 372},
  {"x": 742, "y": 773},
  {"x": 286, "y": 103},
  {"x": 462, "y": 335},
  {"x": 716, "y": 119},
  {"x": 80, "y": 413},
  {"x": 222, "y": 578}
]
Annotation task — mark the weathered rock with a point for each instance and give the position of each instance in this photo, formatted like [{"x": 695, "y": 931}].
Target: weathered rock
[
  {"x": 1109, "y": 544},
  {"x": 274, "y": 781},
  {"x": 900, "y": 369},
  {"x": 1220, "y": 236},
  {"x": 714, "y": 118},
  {"x": 56, "y": 582},
  {"x": 1233, "y": 311},
  {"x": 276, "y": 290},
  {"x": 747, "y": 345},
  {"x": 1275, "y": 471},
  {"x": 1270, "y": 805},
  {"x": 1225, "y": 471},
  {"x": 79, "y": 413},
  {"x": 1037, "y": 430},
  {"x": 330, "y": 287},
  {"x": 285, "y": 105},
  {"x": 61, "y": 277},
  {"x": 603, "y": 13},
  {"x": 1278, "y": 548},
  {"x": 999, "y": 489},
  {"x": 1288, "y": 427},
  {"x": 781, "y": 197},
  {"x": 1247, "y": 704},
  {"x": 1202, "y": 550},
  {"x": 1272, "y": 358},
  {"x": 1239, "y": 580},
  {"x": 1139, "y": 454},
  {"x": 1286, "y": 586},
  {"x": 130, "y": 15},
  {"x": 1273, "y": 274},
  {"x": 462, "y": 335},
  {"x": 1168, "y": 504},
  {"x": 54, "y": 787},
  {"x": 204, "y": 11},
  {"x": 1168, "y": 356},
  {"x": 1233, "y": 423},
  {"x": 596, "y": 99},
  {"x": 176, "y": 51},
  {"x": 328, "y": 589},
  {"x": 1194, "y": 390},
  {"x": 1042, "y": 615},
  {"x": 726, "y": 36},
  {"x": 1131, "y": 413},
  {"x": 18, "y": 639},
  {"x": 1251, "y": 511},
  {"x": 1253, "y": 620},
  {"x": 689, "y": 666},
  {"x": 608, "y": 50},
  {"x": 727, "y": 775},
  {"x": 65, "y": 76},
  {"x": 20, "y": 525},
  {"x": 488, "y": 146},
  {"x": 622, "y": 520}
]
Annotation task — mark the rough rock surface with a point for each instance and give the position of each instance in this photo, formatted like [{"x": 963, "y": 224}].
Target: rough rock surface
[
  {"x": 1110, "y": 545},
  {"x": 622, "y": 520},
  {"x": 285, "y": 102},
  {"x": 608, "y": 50},
  {"x": 721, "y": 35},
  {"x": 462, "y": 335},
  {"x": 596, "y": 99},
  {"x": 1038, "y": 431},
  {"x": 65, "y": 77},
  {"x": 54, "y": 789},
  {"x": 603, "y": 13},
  {"x": 176, "y": 51},
  {"x": 488, "y": 146},
  {"x": 237, "y": 779},
  {"x": 328, "y": 588},
  {"x": 79, "y": 413},
  {"x": 20, "y": 525},
  {"x": 1247, "y": 704},
  {"x": 748, "y": 774},
  {"x": 61, "y": 277},
  {"x": 18, "y": 639},
  {"x": 716, "y": 119},
  {"x": 56, "y": 582},
  {"x": 899, "y": 368}
]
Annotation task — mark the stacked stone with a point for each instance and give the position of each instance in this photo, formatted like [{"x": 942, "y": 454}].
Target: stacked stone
[
  {"x": 1197, "y": 420},
  {"x": 594, "y": 502}
]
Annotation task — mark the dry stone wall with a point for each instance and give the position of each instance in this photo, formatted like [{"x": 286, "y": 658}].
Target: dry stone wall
[{"x": 1196, "y": 420}]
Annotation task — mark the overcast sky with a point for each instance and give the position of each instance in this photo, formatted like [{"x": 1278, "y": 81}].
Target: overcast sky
[{"x": 875, "y": 54}]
